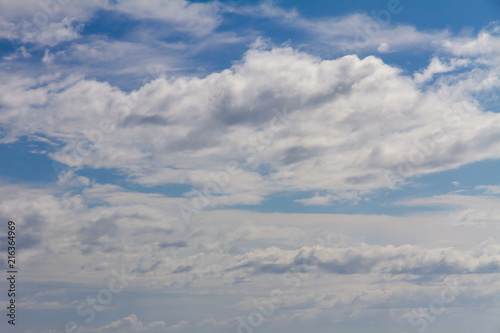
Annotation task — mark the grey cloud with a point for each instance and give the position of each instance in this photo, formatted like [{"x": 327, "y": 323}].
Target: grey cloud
[
  {"x": 360, "y": 179},
  {"x": 392, "y": 261},
  {"x": 182, "y": 269},
  {"x": 297, "y": 154},
  {"x": 164, "y": 245},
  {"x": 32, "y": 232},
  {"x": 144, "y": 270},
  {"x": 155, "y": 231},
  {"x": 229, "y": 112},
  {"x": 272, "y": 268},
  {"x": 194, "y": 140},
  {"x": 441, "y": 267},
  {"x": 355, "y": 265},
  {"x": 91, "y": 236},
  {"x": 137, "y": 120}
]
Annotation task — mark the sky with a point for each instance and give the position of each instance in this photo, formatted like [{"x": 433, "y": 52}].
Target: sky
[{"x": 251, "y": 166}]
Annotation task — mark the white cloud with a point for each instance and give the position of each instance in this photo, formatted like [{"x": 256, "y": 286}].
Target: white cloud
[
  {"x": 486, "y": 42},
  {"x": 489, "y": 189},
  {"x": 436, "y": 67},
  {"x": 350, "y": 123},
  {"x": 483, "y": 202},
  {"x": 322, "y": 200},
  {"x": 360, "y": 33},
  {"x": 316, "y": 200},
  {"x": 48, "y": 58},
  {"x": 55, "y": 33},
  {"x": 383, "y": 48},
  {"x": 177, "y": 326},
  {"x": 44, "y": 23}
]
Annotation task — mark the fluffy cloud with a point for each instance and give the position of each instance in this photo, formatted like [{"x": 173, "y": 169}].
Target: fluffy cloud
[
  {"x": 283, "y": 119},
  {"x": 485, "y": 43}
]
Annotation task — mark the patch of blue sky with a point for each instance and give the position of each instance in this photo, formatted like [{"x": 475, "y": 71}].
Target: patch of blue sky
[
  {"x": 26, "y": 161},
  {"x": 111, "y": 24},
  {"x": 8, "y": 47},
  {"x": 408, "y": 62}
]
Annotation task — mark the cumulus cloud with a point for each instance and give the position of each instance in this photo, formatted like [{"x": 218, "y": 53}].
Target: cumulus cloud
[{"x": 289, "y": 120}]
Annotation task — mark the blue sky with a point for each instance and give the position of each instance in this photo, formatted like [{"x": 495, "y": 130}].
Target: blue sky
[{"x": 341, "y": 154}]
